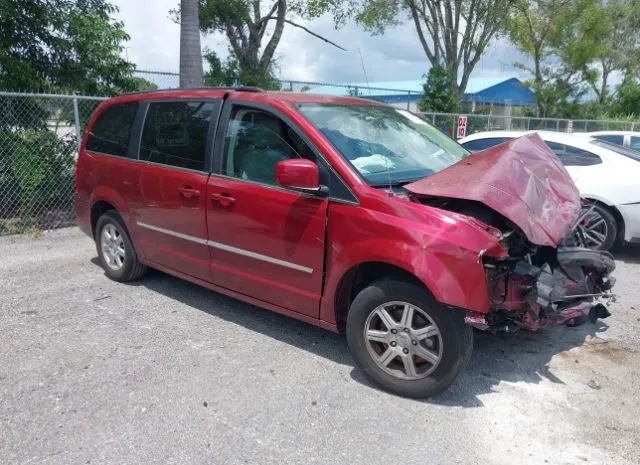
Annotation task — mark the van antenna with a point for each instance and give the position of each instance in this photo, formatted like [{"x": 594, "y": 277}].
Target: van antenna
[{"x": 364, "y": 70}]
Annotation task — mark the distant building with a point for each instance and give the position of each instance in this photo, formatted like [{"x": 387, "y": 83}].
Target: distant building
[{"x": 497, "y": 96}]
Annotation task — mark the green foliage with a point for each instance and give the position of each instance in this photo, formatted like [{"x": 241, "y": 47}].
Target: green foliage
[
  {"x": 628, "y": 101},
  {"x": 220, "y": 74},
  {"x": 438, "y": 94},
  {"x": 37, "y": 175},
  {"x": 137, "y": 84},
  {"x": 253, "y": 30},
  {"x": 576, "y": 46},
  {"x": 229, "y": 73},
  {"x": 62, "y": 46}
]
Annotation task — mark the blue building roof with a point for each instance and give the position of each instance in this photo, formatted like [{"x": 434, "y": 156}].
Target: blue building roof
[
  {"x": 501, "y": 91},
  {"x": 480, "y": 89}
]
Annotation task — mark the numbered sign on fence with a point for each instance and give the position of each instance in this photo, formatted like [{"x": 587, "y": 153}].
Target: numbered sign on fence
[{"x": 462, "y": 127}]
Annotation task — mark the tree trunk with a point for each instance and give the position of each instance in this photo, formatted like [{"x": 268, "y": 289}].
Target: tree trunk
[
  {"x": 190, "y": 51},
  {"x": 537, "y": 59},
  {"x": 604, "y": 84},
  {"x": 270, "y": 48}
]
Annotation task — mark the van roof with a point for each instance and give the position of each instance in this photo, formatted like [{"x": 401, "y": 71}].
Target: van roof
[{"x": 252, "y": 93}]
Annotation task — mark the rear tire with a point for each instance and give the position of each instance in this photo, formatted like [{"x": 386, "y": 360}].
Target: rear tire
[
  {"x": 115, "y": 249},
  {"x": 430, "y": 347}
]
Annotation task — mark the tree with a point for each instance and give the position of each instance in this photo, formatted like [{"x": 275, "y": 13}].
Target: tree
[
  {"x": 62, "y": 46},
  {"x": 438, "y": 95},
  {"x": 628, "y": 98},
  {"x": 610, "y": 33},
  {"x": 575, "y": 45},
  {"x": 191, "y": 74},
  {"x": 138, "y": 84},
  {"x": 532, "y": 26},
  {"x": 453, "y": 33},
  {"x": 253, "y": 29},
  {"x": 220, "y": 73}
]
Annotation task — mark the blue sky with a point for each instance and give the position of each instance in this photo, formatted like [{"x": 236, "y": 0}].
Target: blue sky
[{"x": 396, "y": 55}]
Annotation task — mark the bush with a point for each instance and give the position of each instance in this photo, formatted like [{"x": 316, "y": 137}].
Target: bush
[
  {"x": 36, "y": 178},
  {"x": 438, "y": 94}
]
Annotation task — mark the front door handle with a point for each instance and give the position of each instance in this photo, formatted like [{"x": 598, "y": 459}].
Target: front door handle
[
  {"x": 188, "y": 192},
  {"x": 223, "y": 199}
]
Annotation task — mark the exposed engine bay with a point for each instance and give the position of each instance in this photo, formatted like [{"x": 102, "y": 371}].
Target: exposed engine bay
[{"x": 535, "y": 285}]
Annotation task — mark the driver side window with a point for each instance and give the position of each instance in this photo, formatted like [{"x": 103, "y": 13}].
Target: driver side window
[{"x": 256, "y": 141}]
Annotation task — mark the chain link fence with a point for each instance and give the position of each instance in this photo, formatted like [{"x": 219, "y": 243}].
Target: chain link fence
[
  {"x": 447, "y": 123},
  {"x": 161, "y": 80},
  {"x": 39, "y": 137}
]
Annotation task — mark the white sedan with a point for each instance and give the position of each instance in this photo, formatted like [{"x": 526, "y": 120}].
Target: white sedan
[
  {"x": 629, "y": 139},
  {"x": 606, "y": 174}
]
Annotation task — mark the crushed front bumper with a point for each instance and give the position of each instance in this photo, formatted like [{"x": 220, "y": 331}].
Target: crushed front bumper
[{"x": 567, "y": 286}]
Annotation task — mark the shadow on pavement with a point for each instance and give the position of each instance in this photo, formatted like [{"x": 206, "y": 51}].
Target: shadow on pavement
[
  {"x": 628, "y": 253},
  {"x": 522, "y": 357}
]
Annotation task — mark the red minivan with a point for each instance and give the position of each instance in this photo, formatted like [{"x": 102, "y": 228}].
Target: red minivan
[{"x": 345, "y": 213}]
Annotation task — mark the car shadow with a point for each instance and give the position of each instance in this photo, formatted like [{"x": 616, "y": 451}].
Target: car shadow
[
  {"x": 516, "y": 358},
  {"x": 522, "y": 357},
  {"x": 628, "y": 253}
]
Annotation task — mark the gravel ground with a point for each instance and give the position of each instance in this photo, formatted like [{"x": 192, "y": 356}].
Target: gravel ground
[{"x": 163, "y": 371}]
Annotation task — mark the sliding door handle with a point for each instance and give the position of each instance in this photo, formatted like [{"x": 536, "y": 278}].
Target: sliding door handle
[
  {"x": 223, "y": 199},
  {"x": 188, "y": 192}
]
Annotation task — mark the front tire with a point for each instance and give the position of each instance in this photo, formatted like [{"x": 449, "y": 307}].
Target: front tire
[
  {"x": 405, "y": 341},
  {"x": 115, "y": 249},
  {"x": 598, "y": 227}
]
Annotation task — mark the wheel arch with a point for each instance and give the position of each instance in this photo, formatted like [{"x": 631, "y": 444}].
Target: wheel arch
[
  {"x": 98, "y": 209},
  {"x": 360, "y": 276},
  {"x": 105, "y": 198}
]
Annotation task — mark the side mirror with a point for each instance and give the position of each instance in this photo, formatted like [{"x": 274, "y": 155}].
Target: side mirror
[{"x": 299, "y": 174}]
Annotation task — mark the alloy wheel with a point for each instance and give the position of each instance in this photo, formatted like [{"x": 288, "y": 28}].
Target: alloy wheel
[
  {"x": 112, "y": 246},
  {"x": 403, "y": 340},
  {"x": 593, "y": 228}
]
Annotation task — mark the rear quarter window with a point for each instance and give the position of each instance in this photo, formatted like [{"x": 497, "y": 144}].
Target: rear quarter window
[
  {"x": 611, "y": 138},
  {"x": 573, "y": 156},
  {"x": 483, "y": 144},
  {"x": 111, "y": 132}
]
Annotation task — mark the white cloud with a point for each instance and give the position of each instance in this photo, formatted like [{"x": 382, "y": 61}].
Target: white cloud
[{"x": 396, "y": 55}]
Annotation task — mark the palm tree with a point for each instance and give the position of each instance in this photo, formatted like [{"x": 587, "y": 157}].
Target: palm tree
[{"x": 190, "y": 52}]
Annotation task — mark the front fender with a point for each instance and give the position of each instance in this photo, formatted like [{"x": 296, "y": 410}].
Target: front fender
[{"x": 444, "y": 255}]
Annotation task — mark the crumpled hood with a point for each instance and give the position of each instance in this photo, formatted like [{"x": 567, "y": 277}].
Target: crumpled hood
[{"x": 522, "y": 179}]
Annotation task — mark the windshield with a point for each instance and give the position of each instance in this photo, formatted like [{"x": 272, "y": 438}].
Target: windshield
[
  {"x": 385, "y": 145},
  {"x": 631, "y": 153}
]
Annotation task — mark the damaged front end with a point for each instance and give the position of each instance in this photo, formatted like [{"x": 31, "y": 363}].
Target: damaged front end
[
  {"x": 531, "y": 286},
  {"x": 521, "y": 189},
  {"x": 548, "y": 286}
]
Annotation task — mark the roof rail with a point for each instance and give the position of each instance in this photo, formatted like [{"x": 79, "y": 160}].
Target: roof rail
[
  {"x": 248, "y": 89},
  {"x": 175, "y": 89}
]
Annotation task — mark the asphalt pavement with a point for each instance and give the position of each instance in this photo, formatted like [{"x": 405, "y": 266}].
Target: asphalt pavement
[{"x": 163, "y": 371}]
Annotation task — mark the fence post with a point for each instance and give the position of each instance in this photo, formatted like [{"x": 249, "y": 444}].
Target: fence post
[
  {"x": 558, "y": 125},
  {"x": 76, "y": 115},
  {"x": 528, "y": 123}
]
